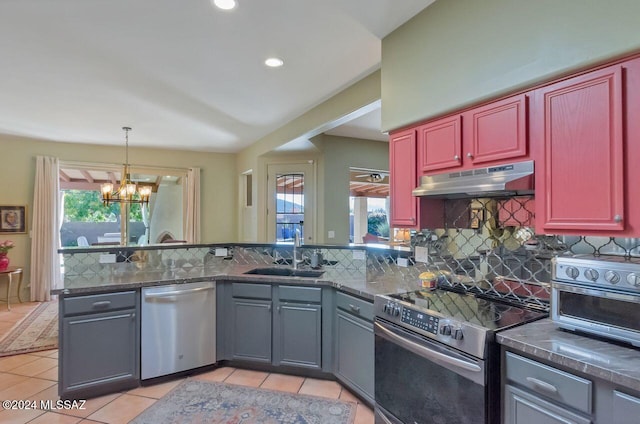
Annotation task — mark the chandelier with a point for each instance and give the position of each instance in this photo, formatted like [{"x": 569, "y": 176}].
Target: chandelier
[{"x": 126, "y": 193}]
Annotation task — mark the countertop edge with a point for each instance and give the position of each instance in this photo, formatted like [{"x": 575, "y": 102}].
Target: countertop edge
[
  {"x": 267, "y": 279},
  {"x": 542, "y": 348}
]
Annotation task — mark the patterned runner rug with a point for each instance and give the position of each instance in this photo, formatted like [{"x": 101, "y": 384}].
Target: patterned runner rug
[
  {"x": 38, "y": 331},
  {"x": 195, "y": 401}
]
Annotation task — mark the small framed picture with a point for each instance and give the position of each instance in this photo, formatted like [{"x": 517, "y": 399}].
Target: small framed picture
[{"x": 13, "y": 219}]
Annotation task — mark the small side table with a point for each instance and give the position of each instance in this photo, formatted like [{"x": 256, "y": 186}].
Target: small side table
[{"x": 11, "y": 272}]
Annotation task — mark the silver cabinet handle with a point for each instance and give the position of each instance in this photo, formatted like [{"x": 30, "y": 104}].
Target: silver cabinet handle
[
  {"x": 469, "y": 155},
  {"x": 542, "y": 385},
  {"x": 617, "y": 218},
  {"x": 278, "y": 309},
  {"x": 456, "y": 157},
  {"x": 102, "y": 304},
  {"x": 269, "y": 307},
  {"x": 354, "y": 308}
]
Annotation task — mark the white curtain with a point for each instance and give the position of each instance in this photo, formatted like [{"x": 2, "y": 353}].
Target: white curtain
[
  {"x": 45, "y": 234},
  {"x": 192, "y": 212}
]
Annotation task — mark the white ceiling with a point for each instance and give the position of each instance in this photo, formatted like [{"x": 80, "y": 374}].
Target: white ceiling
[
  {"x": 366, "y": 127},
  {"x": 183, "y": 74}
]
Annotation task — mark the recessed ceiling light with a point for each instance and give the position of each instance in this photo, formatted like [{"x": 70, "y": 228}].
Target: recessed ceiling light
[
  {"x": 274, "y": 62},
  {"x": 225, "y": 4}
]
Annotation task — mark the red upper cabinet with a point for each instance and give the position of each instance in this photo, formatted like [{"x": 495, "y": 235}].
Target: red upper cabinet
[
  {"x": 496, "y": 131},
  {"x": 578, "y": 126},
  {"x": 440, "y": 144},
  {"x": 403, "y": 178},
  {"x": 488, "y": 134}
]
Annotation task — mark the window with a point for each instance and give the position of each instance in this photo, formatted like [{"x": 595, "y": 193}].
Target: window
[{"x": 86, "y": 221}]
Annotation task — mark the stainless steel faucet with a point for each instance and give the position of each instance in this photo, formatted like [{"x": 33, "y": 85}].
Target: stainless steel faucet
[{"x": 297, "y": 242}]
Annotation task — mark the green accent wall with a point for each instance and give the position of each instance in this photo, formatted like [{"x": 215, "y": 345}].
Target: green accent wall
[
  {"x": 459, "y": 52},
  {"x": 340, "y": 154}
]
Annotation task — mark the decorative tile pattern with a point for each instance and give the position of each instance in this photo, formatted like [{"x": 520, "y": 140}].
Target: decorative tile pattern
[{"x": 205, "y": 401}]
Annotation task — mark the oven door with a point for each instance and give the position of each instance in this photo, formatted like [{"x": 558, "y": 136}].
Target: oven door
[
  {"x": 421, "y": 381},
  {"x": 605, "y": 313}
]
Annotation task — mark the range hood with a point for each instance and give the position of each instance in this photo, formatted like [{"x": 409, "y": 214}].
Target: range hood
[{"x": 503, "y": 180}]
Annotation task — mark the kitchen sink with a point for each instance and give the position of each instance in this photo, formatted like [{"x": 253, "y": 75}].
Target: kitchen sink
[{"x": 286, "y": 272}]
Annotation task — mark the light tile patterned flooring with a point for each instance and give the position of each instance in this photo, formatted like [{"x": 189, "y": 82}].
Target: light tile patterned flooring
[{"x": 34, "y": 376}]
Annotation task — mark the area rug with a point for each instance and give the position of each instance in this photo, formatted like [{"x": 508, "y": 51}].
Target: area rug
[
  {"x": 195, "y": 401},
  {"x": 37, "y": 331}
]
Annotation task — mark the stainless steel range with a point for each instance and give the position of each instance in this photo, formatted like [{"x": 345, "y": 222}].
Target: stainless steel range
[
  {"x": 436, "y": 360},
  {"x": 598, "y": 296}
]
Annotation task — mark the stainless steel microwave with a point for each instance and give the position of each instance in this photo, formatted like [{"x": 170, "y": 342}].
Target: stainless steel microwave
[{"x": 601, "y": 311}]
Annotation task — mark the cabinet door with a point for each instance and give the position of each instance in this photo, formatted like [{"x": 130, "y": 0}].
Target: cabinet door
[
  {"x": 580, "y": 170},
  {"x": 355, "y": 353},
  {"x": 298, "y": 335},
  {"x": 626, "y": 408},
  {"x": 402, "y": 166},
  {"x": 440, "y": 144},
  {"x": 99, "y": 353},
  {"x": 251, "y": 339},
  {"x": 524, "y": 408},
  {"x": 496, "y": 131}
]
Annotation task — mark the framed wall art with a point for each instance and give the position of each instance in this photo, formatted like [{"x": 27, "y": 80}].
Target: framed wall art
[{"x": 13, "y": 219}]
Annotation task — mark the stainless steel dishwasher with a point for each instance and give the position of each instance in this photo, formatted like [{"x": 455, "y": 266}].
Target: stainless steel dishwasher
[{"x": 178, "y": 328}]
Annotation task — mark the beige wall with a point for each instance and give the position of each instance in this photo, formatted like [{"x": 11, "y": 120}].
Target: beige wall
[
  {"x": 341, "y": 153},
  {"x": 459, "y": 52},
  {"x": 308, "y": 125},
  {"x": 218, "y": 183}
]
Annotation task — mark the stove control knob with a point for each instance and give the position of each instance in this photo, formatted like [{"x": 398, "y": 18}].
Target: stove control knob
[
  {"x": 572, "y": 272},
  {"x": 396, "y": 311},
  {"x": 612, "y": 277},
  {"x": 633, "y": 279},
  {"x": 591, "y": 274},
  {"x": 457, "y": 334},
  {"x": 445, "y": 330}
]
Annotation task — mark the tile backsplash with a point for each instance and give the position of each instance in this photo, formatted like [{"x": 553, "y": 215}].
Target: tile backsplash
[{"x": 486, "y": 244}]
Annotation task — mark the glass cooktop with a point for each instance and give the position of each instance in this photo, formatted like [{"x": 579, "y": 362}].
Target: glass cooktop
[{"x": 488, "y": 313}]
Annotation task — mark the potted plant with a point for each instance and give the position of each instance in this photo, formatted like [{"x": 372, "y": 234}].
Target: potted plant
[{"x": 5, "y": 246}]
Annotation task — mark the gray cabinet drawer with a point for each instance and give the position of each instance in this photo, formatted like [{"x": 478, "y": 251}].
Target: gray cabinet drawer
[
  {"x": 99, "y": 303},
  {"x": 251, "y": 290},
  {"x": 524, "y": 408},
  {"x": 300, "y": 294},
  {"x": 355, "y": 306},
  {"x": 560, "y": 386}
]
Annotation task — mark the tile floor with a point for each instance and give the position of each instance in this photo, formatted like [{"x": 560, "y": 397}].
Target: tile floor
[{"x": 34, "y": 376}]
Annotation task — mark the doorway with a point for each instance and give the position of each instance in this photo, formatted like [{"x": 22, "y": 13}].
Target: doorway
[
  {"x": 291, "y": 202},
  {"x": 368, "y": 205}
]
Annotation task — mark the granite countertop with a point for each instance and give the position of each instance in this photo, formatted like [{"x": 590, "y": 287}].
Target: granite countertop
[
  {"x": 607, "y": 361},
  {"x": 358, "y": 282}
]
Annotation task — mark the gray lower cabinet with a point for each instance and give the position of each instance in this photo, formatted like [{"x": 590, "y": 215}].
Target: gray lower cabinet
[
  {"x": 99, "y": 344},
  {"x": 354, "y": 341},
  {"x": 626, "y": 408},
  {"x": 298, "y": 335},
  {"x": 251, "y": 329},
  {"x": 525, "y": 408},
  {"x": 537, "y": 393},
  {"x": 275, "y": 324}
]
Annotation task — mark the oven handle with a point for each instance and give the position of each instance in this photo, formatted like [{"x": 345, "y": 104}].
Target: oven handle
[{"x": 426, "y": 352}]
